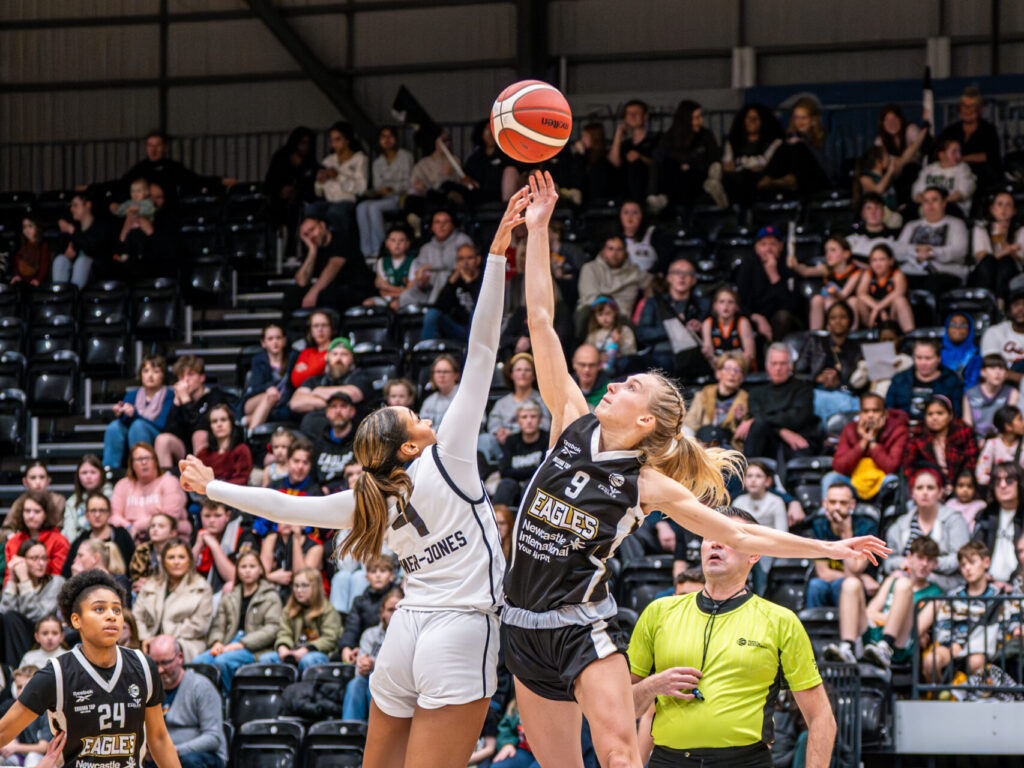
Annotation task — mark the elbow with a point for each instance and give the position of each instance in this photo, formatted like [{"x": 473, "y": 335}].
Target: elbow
[{"x": 538, "y": 318}]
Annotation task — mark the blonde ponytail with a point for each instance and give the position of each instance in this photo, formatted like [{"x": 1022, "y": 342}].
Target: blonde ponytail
[{"x": 669, "y": 451}]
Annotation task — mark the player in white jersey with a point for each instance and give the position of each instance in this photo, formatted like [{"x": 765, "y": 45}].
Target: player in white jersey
[
  {"x": 437, "y": 669},
  {"x": 604, "y": 473}
]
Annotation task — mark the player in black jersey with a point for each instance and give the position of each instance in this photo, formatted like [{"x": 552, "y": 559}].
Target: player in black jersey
[
  {"x": 104, "y": 701},
  {"x": 604, "y": 473}
]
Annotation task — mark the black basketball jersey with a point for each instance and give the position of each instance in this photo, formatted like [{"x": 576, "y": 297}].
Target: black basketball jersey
[
  {"x": 579, "y": 506},
  {"x": 105, "y": 719}
]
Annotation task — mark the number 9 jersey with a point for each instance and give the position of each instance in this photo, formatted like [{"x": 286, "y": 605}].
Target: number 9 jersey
[{"x": 577, "y": 509}]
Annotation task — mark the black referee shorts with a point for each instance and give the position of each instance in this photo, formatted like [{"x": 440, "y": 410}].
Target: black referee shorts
[{"x": 752, "y": 756}]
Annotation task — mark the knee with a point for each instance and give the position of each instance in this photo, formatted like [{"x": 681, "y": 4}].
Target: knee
[
  {"x": 851, "y": 586},
  {"x": 619, "y": 755}
]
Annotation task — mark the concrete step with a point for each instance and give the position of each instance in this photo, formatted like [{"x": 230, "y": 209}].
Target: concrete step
[
  {"x": 70, "y": 449},
  {"x": 261, "y": 298},
  {"x": 96, "y": 429},
  {"x": 250, "y": 335}
]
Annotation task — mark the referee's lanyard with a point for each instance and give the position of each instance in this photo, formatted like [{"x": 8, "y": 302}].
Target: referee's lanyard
[{"x": 716, "y": 606}]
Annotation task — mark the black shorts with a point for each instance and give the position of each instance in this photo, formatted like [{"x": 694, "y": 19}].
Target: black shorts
[{"x": 548, "y": 661}]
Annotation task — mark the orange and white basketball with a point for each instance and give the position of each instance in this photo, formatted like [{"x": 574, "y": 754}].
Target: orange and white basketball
[{"x": 531, "y": 121}]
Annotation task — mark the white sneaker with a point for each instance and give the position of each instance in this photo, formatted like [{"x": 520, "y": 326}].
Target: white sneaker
[
  {"x": 879, "y": 654},
  {"x": 840, "y": 652}
]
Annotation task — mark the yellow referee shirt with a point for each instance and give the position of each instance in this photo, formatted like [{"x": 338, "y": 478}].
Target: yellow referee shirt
[{"x": 751, "y": 642}]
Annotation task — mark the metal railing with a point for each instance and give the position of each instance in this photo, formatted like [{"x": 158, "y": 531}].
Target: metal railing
[{"x": 989, "y": 626}]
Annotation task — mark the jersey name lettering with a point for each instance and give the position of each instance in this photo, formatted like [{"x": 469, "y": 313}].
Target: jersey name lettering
[
  {"x": 434, "y": 552},
  {"x": 112, "y": 745},
  {"x": 560, "y": 514}
]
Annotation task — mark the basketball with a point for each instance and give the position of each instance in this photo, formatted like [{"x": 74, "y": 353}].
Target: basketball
[{"x": 531, "y": 121}]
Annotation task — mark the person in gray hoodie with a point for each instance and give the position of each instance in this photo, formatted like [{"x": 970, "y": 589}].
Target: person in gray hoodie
[{"x": 29, "y": 594}]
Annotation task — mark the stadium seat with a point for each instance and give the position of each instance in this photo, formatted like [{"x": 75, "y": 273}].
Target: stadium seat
[
  {"x": 243, "y": 363},
  {"x": 649, "y": 569},
  {"x": 778, "y": 211},
  {"x": 206, "y": 280},
  {"x": 409, "y": 325},
  {"x": 368, "y": 335},
  {"x": 642, "y": 594},
  {"x": 199, "y": 237},
  {"x": 626, "y": 618},
  {"x": 47, "y": 301},
  {"x": 808, "y": 246},
  {"x": 12, "y": 334},
  {"x": 831, "y": 211},
  {"x": 424, "y": 351},
  {"x": 256, "y": 691},
  {"x": 835, "y": 424},
  {"x": 202, "y": 199},
  {"x": 924, "y": 306},
  {"x": 109, "y": 297},
  {"x": 13, "y": 421},
  {"x": 10, "y": 300},
  {"x": 52, "y": 383},
  {"x": 12, "y": 369},
  {"x": 156, "y": 310},
  {"x": 807, "y": 469},
  {"x": 51, "y": 335},
  {"x": 53, "y": 205},
  {"x": 809, "y": 496},
  {"x": 787, "y": 582},
  {"x": 266, "y": 743},
  {"x": 248, "y": 241},
  {"x": 246, "y": 201},
  {"x": 332, "y": 671},
  {"x": 209, "y": 671},
  {"x": 974, "y": 301},
  {"x": 334, "y": 744},
  {"x": 822, "y": 626},
  {"x": 694, "y": 249},
  {"x": 15, "y": 206},
  {"x": 708, "y": 221},
  {"x": 367, "y": 317},
  {"x": 921, "y": 332}
]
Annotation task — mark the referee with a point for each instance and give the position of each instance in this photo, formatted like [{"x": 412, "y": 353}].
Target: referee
[{"x": 713, "y": 661}]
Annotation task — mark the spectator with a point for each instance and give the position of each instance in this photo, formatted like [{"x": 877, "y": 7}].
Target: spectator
[
  {"x": 928, "y": 517},
  {"x": 762, "y": 279},
  {"x": 29, "y": 594},
  {"x": 830, "y": 362},
  {"x": 1007, "y": 338},
  {"x": 277, "y": 459},
  {"x": 596, "y": 173},
  {"x": 141, "y": 414},
  {"x": 365, "y": 609},
  {"x": 686, "y": 155},
  {"x": 285, "y": 551},
  {"x": 435, "y": 181},
  {"x": 932, "y": 250},
  {"x": 145, "y": 491},
  {"x": 948, "y": 172},
  {"x": 942, "y": 442},
  {"x": 148, "y": 558},
  {"x": 97, "y": 515},
  {"x": 870, "y": 450},
  {"x": 437, "y": 260},
  {"x": 392, "y": 173},
  {"x": 800, "y": 163},
  {"x": 103, "y": 556},
  {"x": 216, "y": 542},
  {"x": 521, "y": 377},
  {"x": 872, "y": 228},
  {"x": 33, "y": 517},
  {"x": 591, "y": 378},
  {"x": 188, "y": 423},
  {"x": 512, "y": 750},
  {"x": 289, "y": 181},
  {"x": 333, "y": 274},
  {"x": 194, "y": 713},
  {"x": 998, "y": 246},
  {"x": 911, "y": 390},
  {"x": 840, "y": 521},
  {"x": 343, "y": 176},
  {"x": 33, "y": 743},
  {"x": 49, "y": 642},
  {"x": 984, "y": 399},
  {"x": 357, "y": 693},
  {"x": 876, "y": 175},
  {"x": 781, "y": 412},
  {"x": 132, "y": 250},
  {"x": 671, "y": 320},
  {"x": 960, "y": 350},
  {"x": 90, "y": 241},
  {"x": 399, "y": 392},
  {"x": 754, "y": 137},
  {"x": 506, "y": 522},
  {"x": 393, "y": 268},
  {"x": 269, "y": 387},
  {"x": 521, "y": 454},
  {"x": 160, "y": 169},
  {"x": 309, "y": 628},
  {"x": 246, "y": 621},
  {"x": 840, "y": 274},
  {"x": 445, "y": 373},
  {"x": 298, "y": 481},
  {"x": 883, "y": 625},
  {"x": 723, "y": 404},
  {"x": 726, "y": 330},
  {"x": 903, "y": 141},
  {"x": 89, "y": 479},
  {"x": 1001, "y": 523},
  {"x": 882, "y": 292},
  {"x": 333, "y": 449},
  {"x": 1003, "y": 446},
  {"x": 610, "y": 274},
  {"x": 453, "y": 308},
  {"x": 36, "y": 477},
  {"x": 648, "y": 247},
  {"x": 227, "y": 453},
  {"x": 767, "y": 508},
  {"x": 495, "y": 176},
  {"x": 32, "y": 259},
  {"x": 632, "y": 150},
  {"x": 977, "y": 137},
  {"x": 177, "y": 602},
  {"x": 313, "y": 358},
  {"x": 340, "y": 375},
  {"x": 613, "y": 338},
  {"x": 965, "y": 497}
]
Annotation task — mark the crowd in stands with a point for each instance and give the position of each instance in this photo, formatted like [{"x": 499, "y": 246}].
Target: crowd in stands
[{"x": 868, "y": 378}]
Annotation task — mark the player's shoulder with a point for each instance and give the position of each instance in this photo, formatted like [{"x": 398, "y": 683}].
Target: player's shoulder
[
  {"x": 670, "y": 604},
  {"x": 776, "y": 615}
]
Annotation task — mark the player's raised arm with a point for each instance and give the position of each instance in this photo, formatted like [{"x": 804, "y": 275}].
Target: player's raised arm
[
  {"x": 561, "y": 394},
  {"x": 334, "y": 512},
  {"x": 658, "y": 492}
]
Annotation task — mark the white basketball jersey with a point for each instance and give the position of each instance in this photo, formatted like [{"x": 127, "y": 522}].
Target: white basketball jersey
[{"x": 446, "y": 542}]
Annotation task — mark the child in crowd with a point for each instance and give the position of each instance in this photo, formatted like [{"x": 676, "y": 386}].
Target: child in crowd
[
  {"x": 32, "y": 260},
  {"x": 1004, "y": 446},
  {"x": 400, "y": 392},
  {"x": 605, "y": 330},
  {"x": 147, "y": 556},
  {"x": 30, "y": 746},
  {"x": 357, "y": 693},
  {"x": 216, "y": 542},
  {"x": 49, "y": 637},
  {"x": 380, "y": 576},
  {"x": 277, "y": 457},
  {"x": 965, "y": 497},
  {"x": 297, "y": 481},
  {"x": 767, "y": 508},
  {"x": 882, "y": 292},
  {"x": 138, "y": 203},
  {"x": 726, "y": 330},
  {"x": 309, "y": 627},
  {"x": 393, "y": 269},
  {"x": 269, "y": 385},
  {"x": 512, "y": 747},
  {"x": 883, "y": 625},
  {"x": 982, "y": 400},
  {"x": 841, "y": 275},
  {"x": 960, "y": 348}
]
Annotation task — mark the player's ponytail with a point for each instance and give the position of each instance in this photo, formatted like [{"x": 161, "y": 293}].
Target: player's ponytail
[
  {"x": 376, "y": 447},
  {"x": 668, "y": 450}
]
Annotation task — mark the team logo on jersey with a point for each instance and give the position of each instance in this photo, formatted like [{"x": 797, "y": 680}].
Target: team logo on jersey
[
  {"x": 82, "y": 696},
  {"x": 112, "y": 745},
  {"x": 133, "y": 691},
  {"x": 570, "y": 449},
  {"x": 616, "y": 479},
  {"x": 608, "y": 491},
  {"x": 563, "y": 515}
]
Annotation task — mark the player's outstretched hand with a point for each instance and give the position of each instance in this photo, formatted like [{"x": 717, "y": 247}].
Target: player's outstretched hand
[
  {"x": 543, "y": 196},
  {"x": 194, "y": 474},
  {"x": 53, "y": 751},
  {"x": 513, "y": 217},
  {"x": 860, "y": 548}
]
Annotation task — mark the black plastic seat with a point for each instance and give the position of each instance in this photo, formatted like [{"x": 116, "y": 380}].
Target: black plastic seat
[
  {"x": 109, "y": 297},
  {"x": 334, "y": 743},
  {"x": 156, "y": 309},
  {"x": 248, "y": 241},
  {"x": 104, "y": 346},
  {"x": 209, "y": 671},
  {"x": 367, "y": 317},
  {"x": 336, "y": 671},
  {"x": 256, "y": 691},
  {"x": 13, "y": 420},
  {"x": 12, "y": 334},
  {"x": 642, "y": 594},
  {"x": 207, "y": 279},
  {"x": 12, "y": 370},
  {"x": 53, "y": 335},
  {"x": 52, "y": 383},
  {"x": 267, "y": 743},
  {"x": 48, "y": 301},
  {"x": 199, "y": 237}
]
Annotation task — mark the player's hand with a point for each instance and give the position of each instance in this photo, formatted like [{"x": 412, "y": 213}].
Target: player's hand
[
  {"x": 194, "y": 474},
  {"x": 676, "y": 682},
  {"x": 543, "y": 197},
  {"x": 512, "y": 218},
  {"x": 53, "y": 750},
  {"x": 860, "y": 548}
]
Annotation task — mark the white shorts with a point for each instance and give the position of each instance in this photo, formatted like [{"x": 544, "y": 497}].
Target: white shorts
[{"x": 433, "y": 659}]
